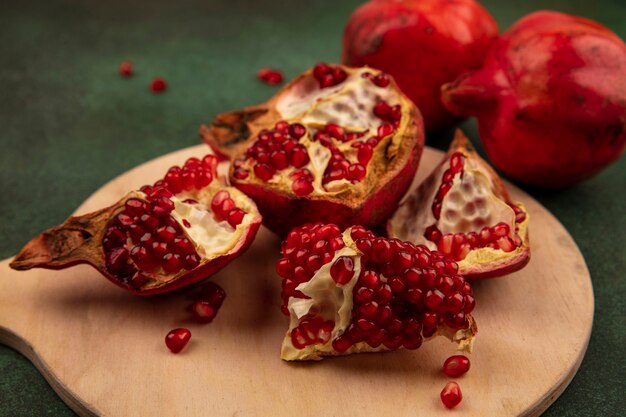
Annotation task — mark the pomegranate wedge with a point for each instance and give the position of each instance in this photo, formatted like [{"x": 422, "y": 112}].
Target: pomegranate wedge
[
  {"x": 336, "y": 144},
  {"x": 348, "y": 292},
  {"x": 181, "y": 230},
  {"x": 463, "y": 210}
]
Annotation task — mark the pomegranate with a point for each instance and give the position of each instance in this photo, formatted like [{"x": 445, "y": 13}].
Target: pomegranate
[
  {"x": 451, "y": 395},
  {"x": 550, "y": 99},
  {"x": 463, "y": 210},
  {"x": 422, "y": 44},
  {"x": 348, "y": 292},
  {"x": 336, "y": 144},
  {"x": 456, "y": 366},
  {"x": 177, "y": 339},
  {"x": 165, "y": 236}
]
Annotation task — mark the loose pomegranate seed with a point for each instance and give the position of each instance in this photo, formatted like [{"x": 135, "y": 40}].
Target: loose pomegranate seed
[
  {"x": 451, "y": 395},
  {"x": 204, "y": 311},
  {"x": 158, "y": 85},
  {"x": 456, "y": 365},
  {"x": 126, "y": 69},
  {"x": 177, "y": 339},
  {"x": 270, "y": 76}
]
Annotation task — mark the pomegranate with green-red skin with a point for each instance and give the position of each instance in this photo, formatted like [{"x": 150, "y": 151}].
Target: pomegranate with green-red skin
[
  {"x": 550, "y": 99},
  {"x": 422, "y": 44},
  {"x": 336, "y": 144},
  {"x": 175, "y": 233}
]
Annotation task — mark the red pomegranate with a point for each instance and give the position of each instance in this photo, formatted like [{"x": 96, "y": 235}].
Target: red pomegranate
[
  {"x": 463, "y": 210},
  {"x": 422, "y": 44},
  {"x": 350, "y": 291},
  {"x": 336, "y": 144},
  {"x": 179, "y": 231},
  {"x": 550, "y": 99}
]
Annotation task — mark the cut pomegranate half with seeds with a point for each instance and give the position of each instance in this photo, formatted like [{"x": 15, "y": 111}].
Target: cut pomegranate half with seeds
[
  {"x": 348, "y": 292},
  {"x": 463, "y": 210},
  {"x": 179, "y": 231},
  {"x": 332, "y": 146}
]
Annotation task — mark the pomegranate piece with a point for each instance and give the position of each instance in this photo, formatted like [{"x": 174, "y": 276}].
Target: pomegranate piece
[
  {"x": 177, "y": 339},
  {"x": 451, "y": 395},
  {"x": 174, "y": 233},
  {"x": 463, "y": 210},
  {"x": 206, "y": 309},
  {"x": 126, "y": 68},
  {"x": 270, "y": 76},
  {"x": 456, "y": 365},
  {"x": 332, "y": 145},
  {"x": 550, "y": 99},
  {"x": 158, "y": 85},
  {"x": 348, "y": 292},
  {"x": 422, "y": 44}
]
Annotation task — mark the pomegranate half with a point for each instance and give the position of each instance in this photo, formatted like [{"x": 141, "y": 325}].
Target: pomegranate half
[
  {"x": 550, "y": 99},
  {"x": 179, "y": 231},
  {"x": 336, "y": 144},
  {"x": 423, "y": 44},
  {"x": 348, "y": 292},
  {"x": 463, "y": 210}
]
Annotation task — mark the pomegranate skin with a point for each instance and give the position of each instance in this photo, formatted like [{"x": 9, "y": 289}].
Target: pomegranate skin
[
  {"x": 422, "y": 44},
  {"x": 550, "y": 99}
]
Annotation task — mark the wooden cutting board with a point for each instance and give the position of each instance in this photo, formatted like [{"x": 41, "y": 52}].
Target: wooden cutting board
[{"x": 102, "y": 349}]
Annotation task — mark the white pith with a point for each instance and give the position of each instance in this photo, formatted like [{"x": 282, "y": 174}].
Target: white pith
[
  {"x": 470, "y": 204},
  {"x": 350, "y": 105},
  {"x": 329, "y": 300}
]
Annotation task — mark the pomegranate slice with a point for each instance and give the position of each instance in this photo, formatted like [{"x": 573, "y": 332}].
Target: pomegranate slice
[
  {"x": 336, "y": 144},
  {"x": 463, "y": 210},
  {"x": 165, "y": 236},
  {"x": 348, "y": 292}
]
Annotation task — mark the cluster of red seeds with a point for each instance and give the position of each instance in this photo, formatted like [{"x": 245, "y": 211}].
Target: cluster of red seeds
[
  {"x": 403, "y": 294},
  {"x": 206, "y": 309},
  {"x": 223, "y": 208},
  {"x": 381, "y": 80},
  {"x": 458, "y": 245},
  {"x": 339, "y": 167},
  {"x": 388, "y": 113},
  {"x": 275, "y": 150},
  {"x": 311, "y": 330},
  {"x": 305, "y": 250},
  {"x": 329, "y": 75},
  {"x": 144, "y": 236}
]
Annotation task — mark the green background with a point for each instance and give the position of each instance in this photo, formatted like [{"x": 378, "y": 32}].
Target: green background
[{"x": 69, "y": 124}]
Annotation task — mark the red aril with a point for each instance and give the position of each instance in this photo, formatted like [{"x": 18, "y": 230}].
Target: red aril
[
  {"x": 332, "y": 145},
  {"x": 158, "y": 85},
  {"x": 174, "y": 233},
  {"x": 126, "y": 69},
  {"x": 270, "y": 76},
  {"x": 456, "y": 365},
  {"x": 177, "y": 339},
  {"x": 451, "y": 395}
]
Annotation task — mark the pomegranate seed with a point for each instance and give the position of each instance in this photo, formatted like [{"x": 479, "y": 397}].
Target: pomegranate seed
[
  {"x": 451, "y": 395},
  {"x": 158, "y": 85},
  {"x": 384, "y": 130},
  {"x": 203, "y": 311},
  {"x": 183, "y": 246},
  {"x": 177, "y": 339},
  {"x": 456, "y": 365},
  {"x": 160, "y": 248},
  {"x": 356, "y": 172},
  {"x": 302, "y": 186},
  {"x": 190, "y": 261},
  {"x": 364, "y": 154},
  {"x": 171, "y": 263},
  {"x": 270, "y": 76},
  {"x": 297, "y": 130},
  {"x": 126, "y": 69},
  {"x": 264, "y": 172},
  {"x": 342, "y": 270},
  {"x": 382, "y": 109},
  {"x": 117, "y": 259},
  {"x": 235, "y": 217},
  {"x": 166, "y": 233}
]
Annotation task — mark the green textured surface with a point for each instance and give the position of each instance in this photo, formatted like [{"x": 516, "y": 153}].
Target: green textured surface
[{"x": 70, "y": 124}]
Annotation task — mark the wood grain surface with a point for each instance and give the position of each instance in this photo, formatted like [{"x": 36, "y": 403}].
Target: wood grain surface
[{"x": 103, "y": 350}]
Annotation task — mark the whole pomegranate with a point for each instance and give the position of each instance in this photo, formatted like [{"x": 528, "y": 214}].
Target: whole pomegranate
[
  {"x": 422, "y": 44},
  {"x": 550, "y": 99}
]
